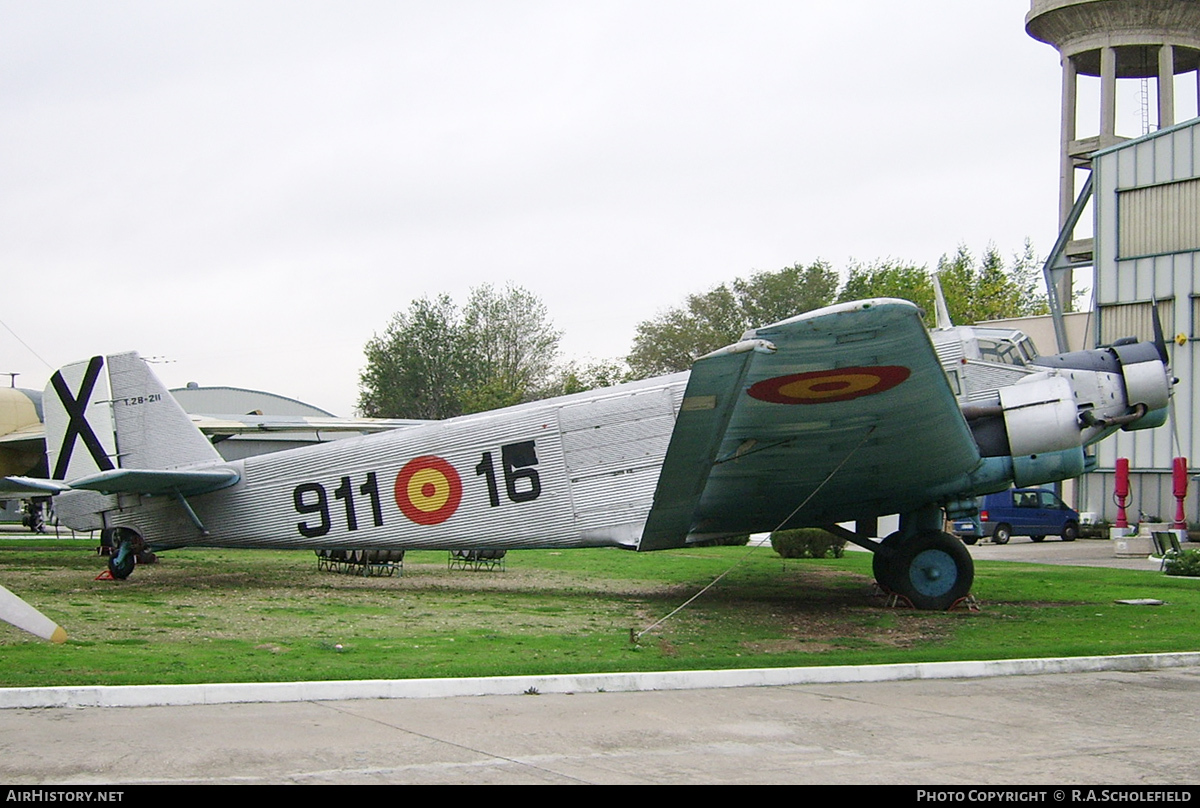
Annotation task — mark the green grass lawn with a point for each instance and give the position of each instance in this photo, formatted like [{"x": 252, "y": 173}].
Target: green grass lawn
[{"x": 248, "y": 616}]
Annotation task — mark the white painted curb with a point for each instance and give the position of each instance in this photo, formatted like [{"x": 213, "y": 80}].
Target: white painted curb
[{"x": 157, "y": 695}]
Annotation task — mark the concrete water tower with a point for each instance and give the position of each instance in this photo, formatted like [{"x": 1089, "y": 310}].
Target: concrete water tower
[{"x": 1113, "y": 39}]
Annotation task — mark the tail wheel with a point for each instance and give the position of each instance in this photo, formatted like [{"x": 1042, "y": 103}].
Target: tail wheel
[
  {"x": 126, "y": 544},
  {"x": 933, "y": 570}
]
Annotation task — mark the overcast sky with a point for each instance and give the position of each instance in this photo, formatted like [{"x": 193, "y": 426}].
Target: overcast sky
[{"x": 251, "y": 189}]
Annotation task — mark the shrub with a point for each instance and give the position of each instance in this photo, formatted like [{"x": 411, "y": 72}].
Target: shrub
[
  {"x": 1187, "y": 563},
  {"x": 807, "y": 542}
]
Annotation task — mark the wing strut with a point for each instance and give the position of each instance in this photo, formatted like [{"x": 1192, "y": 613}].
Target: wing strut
[{"x": 191, "y": 514}]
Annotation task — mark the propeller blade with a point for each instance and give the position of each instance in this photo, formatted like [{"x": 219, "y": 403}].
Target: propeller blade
[
  {"x": 19, "y": 613},
  {"x": 939, "y": 302},
  {"x": 1159, "y": 342}
]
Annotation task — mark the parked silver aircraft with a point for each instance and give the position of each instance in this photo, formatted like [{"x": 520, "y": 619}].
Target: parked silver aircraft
[
  {"x": 840, "y": 414},
  {"x": 22, "y": 440}
]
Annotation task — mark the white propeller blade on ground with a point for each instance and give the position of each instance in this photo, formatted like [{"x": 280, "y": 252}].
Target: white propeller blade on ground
[{"x": 23, "y": 616}]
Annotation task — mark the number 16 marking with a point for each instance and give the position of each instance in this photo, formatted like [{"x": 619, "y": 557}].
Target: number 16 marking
[{"x": 517, "y": 460}]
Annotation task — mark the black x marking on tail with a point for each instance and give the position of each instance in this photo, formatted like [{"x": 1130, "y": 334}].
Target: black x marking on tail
[{"x": 76, "y": 407}]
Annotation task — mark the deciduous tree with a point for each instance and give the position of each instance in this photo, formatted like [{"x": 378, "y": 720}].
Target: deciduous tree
[
  {"x": 510, "y": 348},
  {"x": 413, "y": 368},
  {"x": 976, "y": 290},
  {"x": 672, "y": 340},
  {"x": 435, "y": 361}
]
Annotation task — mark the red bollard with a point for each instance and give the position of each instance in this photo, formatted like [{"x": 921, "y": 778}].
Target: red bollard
[
  {"x": 1179, "y": 476},
  {"x": 1121, "y": 491}
]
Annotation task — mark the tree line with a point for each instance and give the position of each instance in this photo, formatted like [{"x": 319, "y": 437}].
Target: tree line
[{"x": 436, "y": 360}]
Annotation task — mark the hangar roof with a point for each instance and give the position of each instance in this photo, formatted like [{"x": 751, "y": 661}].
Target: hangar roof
[{"x": 239, "y": 401}]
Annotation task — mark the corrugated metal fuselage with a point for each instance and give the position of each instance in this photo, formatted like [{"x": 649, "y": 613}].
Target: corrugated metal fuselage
[{"x": 577, "y": 471}]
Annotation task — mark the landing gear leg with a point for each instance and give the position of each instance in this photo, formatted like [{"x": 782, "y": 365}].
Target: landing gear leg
[
  {"x": 125, "y": 544},
  {"x": 930, "y": 568}
]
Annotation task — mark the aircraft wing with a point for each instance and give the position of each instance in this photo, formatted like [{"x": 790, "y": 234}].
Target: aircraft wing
[
  {"x": 32, "y": 437},
  {"x": 842, "y": 413},
  {"x": 155, "y": 482},
  {"x": 152, "y": 482},
  {"x": 21, "y": 487}
]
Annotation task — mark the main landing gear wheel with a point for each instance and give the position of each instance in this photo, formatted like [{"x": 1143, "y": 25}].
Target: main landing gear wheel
[
  {"x": 886, "y": 573},
  {"x": 933, "y": 570}
]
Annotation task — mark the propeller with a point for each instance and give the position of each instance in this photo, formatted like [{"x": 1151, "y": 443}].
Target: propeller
[
  {"x": 1159, "y": 342},
  {"x": 20, "y": 614}
]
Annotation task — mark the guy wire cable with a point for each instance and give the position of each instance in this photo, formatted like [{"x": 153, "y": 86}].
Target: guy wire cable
[
  {"x": 634, "y": 637},
  {"x": 26, "y": 344}
]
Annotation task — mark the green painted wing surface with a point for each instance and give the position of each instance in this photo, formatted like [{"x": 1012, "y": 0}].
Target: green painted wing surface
[
  {"x": 852, "y": 402},
  {"x": 18, "y": 487}
]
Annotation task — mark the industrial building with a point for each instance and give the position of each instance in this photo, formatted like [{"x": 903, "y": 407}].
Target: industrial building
[
  {"x": 1146, "y": 195},
  {"x": 1143, "y": 196}
]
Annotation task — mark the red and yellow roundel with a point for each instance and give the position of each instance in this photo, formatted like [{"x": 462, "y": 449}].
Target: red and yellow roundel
[
  {"x": 827, "y": 386},
  {"x": 428, "y": 490}
]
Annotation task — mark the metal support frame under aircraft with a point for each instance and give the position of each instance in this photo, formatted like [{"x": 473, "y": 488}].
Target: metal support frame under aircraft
[{"x": 840, "y": 414}]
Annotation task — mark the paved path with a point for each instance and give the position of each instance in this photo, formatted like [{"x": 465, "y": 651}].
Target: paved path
[
  {"x": 1079, "y": 553},
  {"x": 1090, "y": 728},
  {"x": 1113, "y": 727}
]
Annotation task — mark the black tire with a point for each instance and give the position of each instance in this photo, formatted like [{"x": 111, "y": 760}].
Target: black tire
[
  {"x": 121, "y": 568},
  {"x": 122, "y": 556},
  {"x": 1070, "y": 531},
  {"x": 933, "y": 570},
  {"x": 1038, "y": 538},
  {"x": 969, "y": 539},
  {"x": 885, "y": 571},
  {"x": 1002, "y": 533}
]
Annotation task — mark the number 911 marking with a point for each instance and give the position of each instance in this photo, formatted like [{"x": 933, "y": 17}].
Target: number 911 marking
[{"x": 311, "y": 498}]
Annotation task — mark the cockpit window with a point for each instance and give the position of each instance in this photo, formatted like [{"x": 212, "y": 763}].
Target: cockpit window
[{"x": 1001, "y": 351}]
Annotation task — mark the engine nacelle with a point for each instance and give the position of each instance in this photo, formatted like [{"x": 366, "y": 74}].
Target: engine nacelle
[
  {"x": 1043, "y": 421},
  {"x": 1127, "y": 385},
  {"x": 1040, "y": 415},
  {"x": 1043, "y": 429},
  {"x": 1147, "y": 382}
]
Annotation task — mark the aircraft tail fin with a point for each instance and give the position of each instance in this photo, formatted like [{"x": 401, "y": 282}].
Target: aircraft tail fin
[{"x": 113, "y": 412}]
